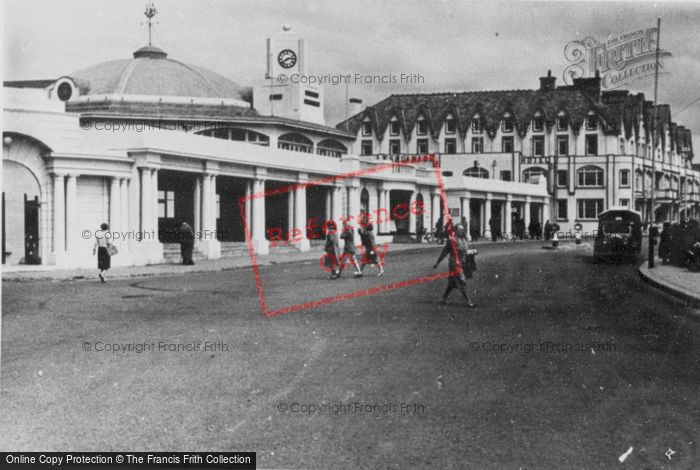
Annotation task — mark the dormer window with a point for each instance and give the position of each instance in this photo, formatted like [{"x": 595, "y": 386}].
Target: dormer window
[
  {"x": 507, "y": 124},
  {"x": 422, "y": 126},
  {"x": 537, "y": 123},
  {"x": 591, "y": 122},
  {"x": 450, "y": 125},
  {"x": 476, "y": 125},
  {"x": 394, "y": 128},
  {"x": 562, "y": 123},
  {"x": 366, "y": 127}
]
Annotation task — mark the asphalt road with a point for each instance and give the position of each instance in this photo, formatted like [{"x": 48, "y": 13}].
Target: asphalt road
[{"x": 563, "y": 364}]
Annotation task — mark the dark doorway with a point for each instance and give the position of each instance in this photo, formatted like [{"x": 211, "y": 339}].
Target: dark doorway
[
  {"x": 229, "y": 224},
  {"x": 316, "y": 211},
  {"x": 496, "y": 219},
  {"x": 475, "y": 229},
  {"x": 399, "y": 206},
  {"x": 276, "y": 210},
  {"x": 175, "y": 203},
  {"x": 31, "y": 230}
]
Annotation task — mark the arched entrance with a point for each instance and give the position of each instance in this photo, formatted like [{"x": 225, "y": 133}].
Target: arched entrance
[{"x": 20, "y": 206}]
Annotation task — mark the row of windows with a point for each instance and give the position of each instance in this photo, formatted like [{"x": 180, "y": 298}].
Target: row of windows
[
  {"x": 477, "y": 145},
  {"x": 290, "y": 141},
  {"x": 477, "y": 125},
  {"x": 586, "y": 209},
  {"x": 587, "y": 177}
]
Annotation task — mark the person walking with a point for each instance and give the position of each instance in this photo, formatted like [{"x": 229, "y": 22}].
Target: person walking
[
  {"x": 547, "y": 230},
  {"x": 457, "y": 248},
  {"x": 369, "y": 244},
  {"x": 186, "y": 237},
  {"x": 331, "y": 259},
  {"x": 102, "y": 248},
  {"x": 349, "y": 249}
]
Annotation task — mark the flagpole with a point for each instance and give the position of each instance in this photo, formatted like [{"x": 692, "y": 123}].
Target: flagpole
[{"x": 653, "y": 145}]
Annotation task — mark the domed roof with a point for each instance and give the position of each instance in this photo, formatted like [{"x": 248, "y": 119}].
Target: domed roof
[{"x": 151, "y": 73}]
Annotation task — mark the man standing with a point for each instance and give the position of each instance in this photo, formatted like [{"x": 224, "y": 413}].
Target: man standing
[{"x": 186, "y": 236}]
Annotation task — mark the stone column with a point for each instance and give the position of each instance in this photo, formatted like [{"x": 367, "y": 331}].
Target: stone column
[
  {"x": 209, "y": 244},
  {"x": 435, "y": 208},
  {"x": 59, "y": 215},
  {"x": 329, "y": 202},
  {"x": 248, "y": 205},
  {"x": 509, "y": 216},
  {"x": 124, "y": 202},
  {"x": 337, "y": 205},
  {"x": 386, "y": 211},
  {"x": 526, "y": 214},
  {"x": 290, "y": 213},
  {"x": 72, "y": 214},
  {"x": 214, "y": 212},
  {"x": 146, "y": 205},
  {"x": 354, "y": 205},
  {"x": 465, "y": 210},
  {"x": 411, "y": 215},
  {"x": 487, "y": 215},
  {"x": 197, "y": 222},
  {"x": 260, "y": 244},
  {"x": 303, "y": 243},
  {"x": 115, "y": 205},
  {"x": 206, "y": 205},
  {"x": 545, "y": 212},
  {"x": 154, "y": 200}
]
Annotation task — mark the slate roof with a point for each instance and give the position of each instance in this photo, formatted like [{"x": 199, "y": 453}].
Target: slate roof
[{"x": 619, "y": 111}]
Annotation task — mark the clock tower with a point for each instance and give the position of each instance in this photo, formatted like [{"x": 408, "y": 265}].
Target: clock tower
[{"x": 286, "y": 91}]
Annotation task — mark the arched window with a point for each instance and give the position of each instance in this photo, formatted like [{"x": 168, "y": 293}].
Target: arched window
[
  {"x": 241, "y": 135},
  {"x": 507, "y": 123},
  {"x": 476, "y": 172},
  {"x": 537, "y": 122},
  {"x": 534, "y": 172},
  {"x": 450, "y": 124},
  {"x": 295, "y": 142},
  {"x": 421, "y": 125},
  {"x": 394, "y": 126},
  {"x": 590, "y": 176},
  {"x": 331, "y": 148},
  {"x": 366, "y": 126},
  {"x": 562, "y": 122}
]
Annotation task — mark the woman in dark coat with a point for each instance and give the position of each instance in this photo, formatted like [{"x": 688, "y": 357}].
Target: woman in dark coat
[
  {"x": 104, "y": 260},
  {"x": 370, "y": 249},
  {"x": 332, "y": 257},
  {"x": 349, "y": 250},
  {"x": 457, "y": 278}
]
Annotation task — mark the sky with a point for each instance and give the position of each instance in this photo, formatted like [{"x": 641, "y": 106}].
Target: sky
[{"x": 454, "y": 45}]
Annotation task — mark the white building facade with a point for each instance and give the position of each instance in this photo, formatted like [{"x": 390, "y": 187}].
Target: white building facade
[
  {"x": 146, "y": 143},
  {"x": 593, "y": 148}
]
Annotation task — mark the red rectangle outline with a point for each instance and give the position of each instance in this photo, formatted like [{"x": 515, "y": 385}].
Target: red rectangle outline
[{"x": 350, "y": 295}]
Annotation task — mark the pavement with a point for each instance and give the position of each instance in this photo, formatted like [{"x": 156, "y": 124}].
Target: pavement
[
  {"x": 44, "y": 272},
  {"x": 674, "y": 280},
  {"x": 563, "y": 363}
]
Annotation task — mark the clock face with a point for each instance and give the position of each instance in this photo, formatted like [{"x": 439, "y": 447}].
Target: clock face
[{"x": 287, "y": 58}]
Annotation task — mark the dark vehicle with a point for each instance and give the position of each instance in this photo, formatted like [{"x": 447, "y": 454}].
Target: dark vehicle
[{"x": 619, "y": 235}]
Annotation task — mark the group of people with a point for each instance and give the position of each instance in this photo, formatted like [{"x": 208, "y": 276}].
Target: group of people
[
  {"x": 461, "y": 258},
  {"x": 335, "y": 259}
]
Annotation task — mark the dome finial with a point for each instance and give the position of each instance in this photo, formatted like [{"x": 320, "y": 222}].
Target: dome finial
[
  {"x": 150, "y": 13},
  {"x": 286, "y": 27}
]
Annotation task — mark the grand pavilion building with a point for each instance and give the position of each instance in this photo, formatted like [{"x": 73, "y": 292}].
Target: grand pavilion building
[{"x": 149, "y": 142}]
